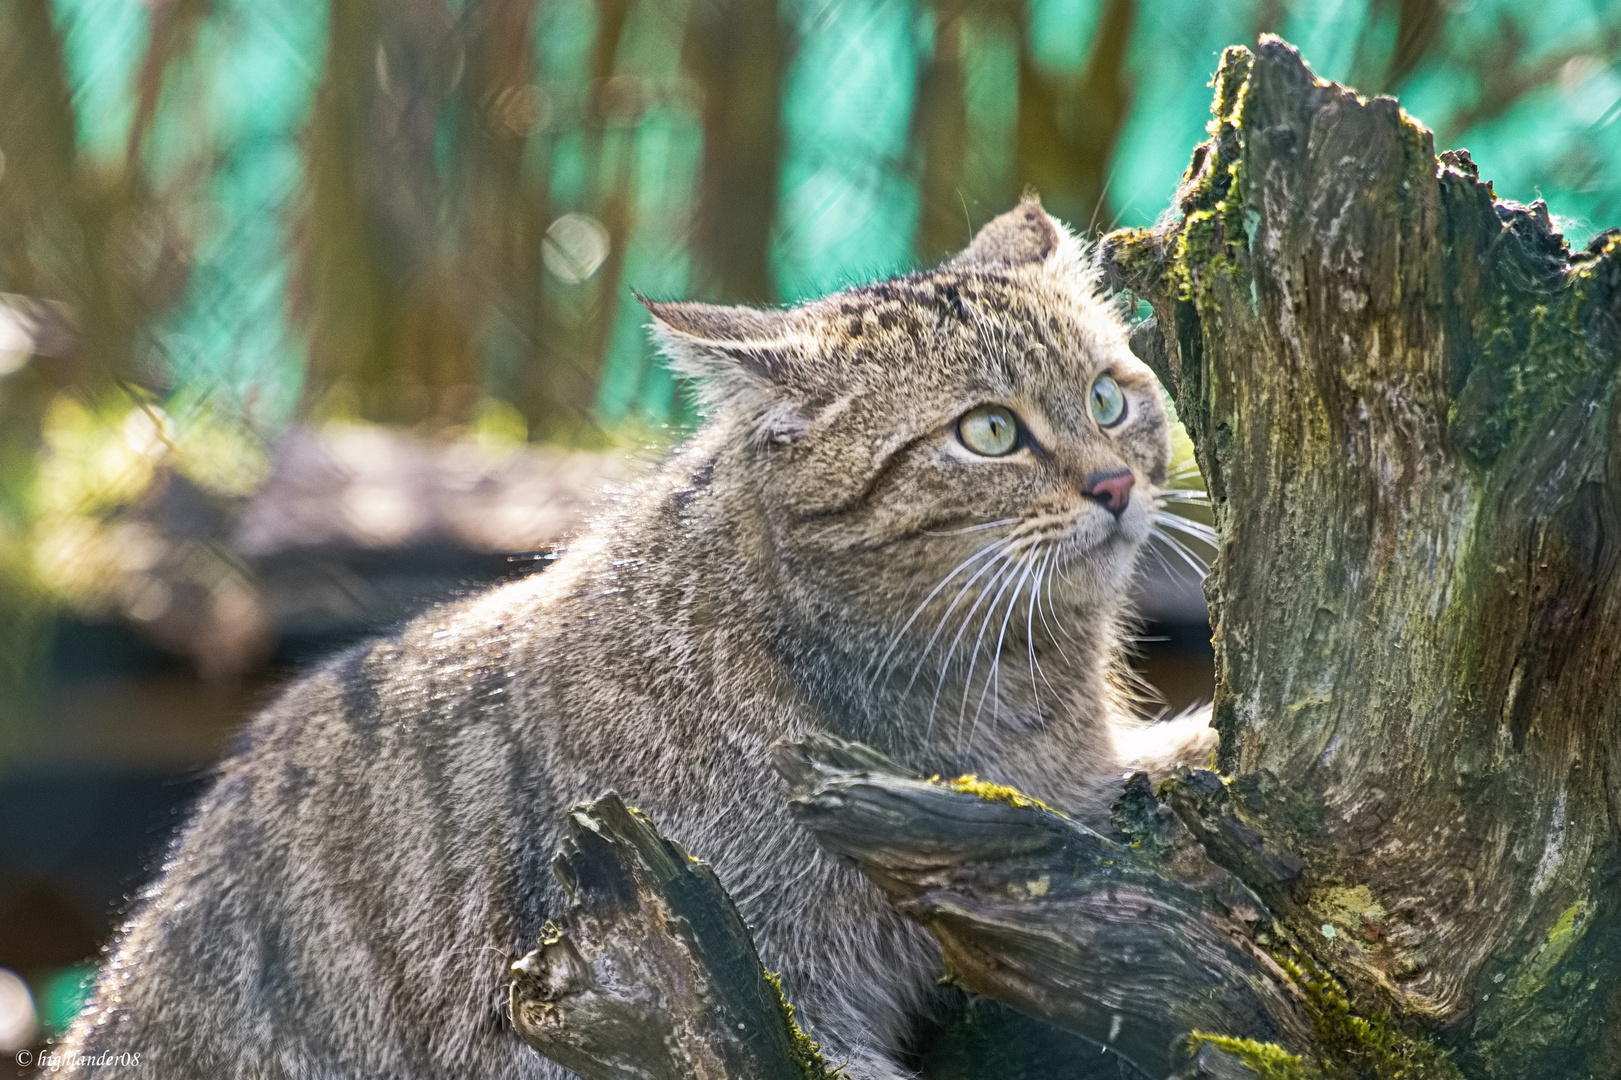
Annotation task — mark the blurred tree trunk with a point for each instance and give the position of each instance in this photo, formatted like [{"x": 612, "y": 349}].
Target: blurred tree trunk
[
  {"x": 578, "y": 319},
  {"x": 75, "y": 278},
  {"x": 386, "y": 334},
  {"x": 941, "y": 131},
  {"x": 1069, "y": 122},
  {"x": 1063, "y": 138},
  {"x": 506, "y": 201},
  {"x": 1402, "y": 392},
  {"x": 737, "y": 53},
  {"x": 40, "y": 117}
]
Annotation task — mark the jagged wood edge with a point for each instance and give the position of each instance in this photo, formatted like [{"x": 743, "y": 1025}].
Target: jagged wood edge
[
  {"x": 1333, "y": 296},
  {"x": 651, "y": 974}
]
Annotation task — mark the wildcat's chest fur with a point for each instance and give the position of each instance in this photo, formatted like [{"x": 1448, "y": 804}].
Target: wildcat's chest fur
[{"x": 830, "y": 554}]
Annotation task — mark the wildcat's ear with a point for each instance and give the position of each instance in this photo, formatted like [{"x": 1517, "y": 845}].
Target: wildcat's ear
[
  {"x": 712, "y": 341},
  {"x": 748, "y": 359},
  {"x": 1025, "y": 234}
]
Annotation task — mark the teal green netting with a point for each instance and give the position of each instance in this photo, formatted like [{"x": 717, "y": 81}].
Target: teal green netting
[{"x": 227, "y": 149}]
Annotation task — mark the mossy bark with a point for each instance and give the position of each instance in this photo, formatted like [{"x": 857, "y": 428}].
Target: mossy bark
[{"x": 1402, "y": 394}]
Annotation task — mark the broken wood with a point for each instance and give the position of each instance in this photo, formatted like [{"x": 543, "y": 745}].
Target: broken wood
[{"x": 651, "y": 974}]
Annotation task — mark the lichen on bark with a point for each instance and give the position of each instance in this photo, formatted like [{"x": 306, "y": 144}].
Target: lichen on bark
[{"x": 1401, "y": 391}]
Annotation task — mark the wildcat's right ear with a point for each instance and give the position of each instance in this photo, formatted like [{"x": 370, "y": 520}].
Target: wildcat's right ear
[
  {"x": 1025, "y": 234},
  {"x": 742, "y": 359}
]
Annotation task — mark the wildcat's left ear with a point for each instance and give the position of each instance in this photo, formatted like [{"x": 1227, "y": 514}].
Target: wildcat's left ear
[
  {"x": 1025, "y": 234},
  {"x": 749, "y": 359}
]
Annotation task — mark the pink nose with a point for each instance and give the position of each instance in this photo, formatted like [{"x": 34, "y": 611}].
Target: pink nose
[{"x": 1112, "y": 489}]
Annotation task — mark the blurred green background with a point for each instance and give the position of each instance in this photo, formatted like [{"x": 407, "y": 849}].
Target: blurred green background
[
  {"x": 220, "y": 217},
  {"x": 228, "y": 224}
]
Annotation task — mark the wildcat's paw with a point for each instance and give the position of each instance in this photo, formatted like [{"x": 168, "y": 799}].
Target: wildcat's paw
[{"x": 1157, "y": 747}]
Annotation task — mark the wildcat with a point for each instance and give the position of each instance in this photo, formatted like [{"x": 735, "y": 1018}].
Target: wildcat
[{"x": 910, "y": 520}]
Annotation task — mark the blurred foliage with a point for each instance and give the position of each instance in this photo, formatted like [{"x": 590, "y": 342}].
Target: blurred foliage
[
  {"x": 222, "y": 216},
  {"x": 98, "y": 463}
]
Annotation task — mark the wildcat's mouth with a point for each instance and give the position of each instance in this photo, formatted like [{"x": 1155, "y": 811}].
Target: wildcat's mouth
[
  {"x": 1093, "y": 529},
  {"x": 1095, "y": 548}
]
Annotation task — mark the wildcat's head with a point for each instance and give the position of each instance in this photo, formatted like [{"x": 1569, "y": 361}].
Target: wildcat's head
[{"x": 978, "y": 427}]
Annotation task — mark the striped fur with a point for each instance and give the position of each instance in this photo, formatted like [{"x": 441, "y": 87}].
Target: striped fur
[{"x": 348, "y": 897}]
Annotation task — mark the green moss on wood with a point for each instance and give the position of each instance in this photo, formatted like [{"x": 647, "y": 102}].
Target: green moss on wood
[
  {"x": 1213, "y": 225},
  {"x": 1139, "y": 256},
  {"x": 1565, "y": 932},
  {"x": 1268, "y": 1061},
  {"x": 1350, "y": 1046},
  {"x": 1532, "y": 351},
  {"x": 1351, "y": 908},
  {"x": 806, "y": 1052},
  {"x": 1531, "y": 1016}
]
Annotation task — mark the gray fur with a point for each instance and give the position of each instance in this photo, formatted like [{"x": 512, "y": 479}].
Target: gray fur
[{"x": 349, "y": 896}]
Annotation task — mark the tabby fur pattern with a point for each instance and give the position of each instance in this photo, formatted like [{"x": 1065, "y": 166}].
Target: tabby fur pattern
[{"x": 825, "y": 555}]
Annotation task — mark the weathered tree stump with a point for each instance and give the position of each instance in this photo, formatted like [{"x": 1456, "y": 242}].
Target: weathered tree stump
[
  {"x": 1146, "y": 949},
  {"x": 1402, "y": 394},
  {"x": 1138, "y": 946}
]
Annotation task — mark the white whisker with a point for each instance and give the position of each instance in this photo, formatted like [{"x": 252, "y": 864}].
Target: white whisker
[
  {"x": 1058, "y": 571},
  {"x": 1007, "y": 548},
  {"x": 1159, "y": 557},
  {"x": 1047, "y": 580},
  {"x": 1184, "y": 495},
  {"x": 995, "y": 674},
  {"x": 894, "y": 641},
  {"x": 1198, "y": 567},
  {"x": 968, "y": 616},
  {"x": 1197, "y": 529},
  {"x": 1030, "y": 634},
  {"x": 992, "y": 590},
  {"x": 979, "y": 642}
]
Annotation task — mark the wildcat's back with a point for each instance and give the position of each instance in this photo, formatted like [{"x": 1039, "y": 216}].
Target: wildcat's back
[{"x": 909, "y": 521}]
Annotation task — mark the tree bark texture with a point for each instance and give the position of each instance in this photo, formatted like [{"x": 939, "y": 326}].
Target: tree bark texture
[
  {"x": 652, "y": 974},
  {"x": 1135, "y": 945},
  {"x": 1402, "y": 394}
]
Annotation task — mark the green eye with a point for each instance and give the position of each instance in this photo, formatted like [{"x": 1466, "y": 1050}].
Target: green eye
[
  {"x": 1108, "y": 401},
  {"x": 990, "y": 430}
]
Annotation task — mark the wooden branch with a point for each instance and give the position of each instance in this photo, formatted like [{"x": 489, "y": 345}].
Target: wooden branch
[
  {"x": 1134, "y": 948},
  {"x": 652, "y": 974}
]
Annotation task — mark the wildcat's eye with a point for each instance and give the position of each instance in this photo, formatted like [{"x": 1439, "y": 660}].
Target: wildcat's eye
[
  {"x": 1108, "y": 401},
  {"x": 990, "y": 430}
]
